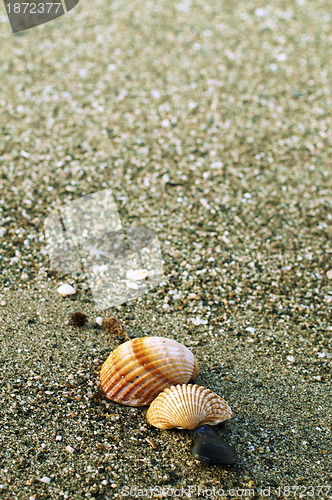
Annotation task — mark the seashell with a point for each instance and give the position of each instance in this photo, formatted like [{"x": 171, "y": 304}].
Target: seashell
[
  {"x": 138, "y": 370},
  {"x": 208, "y": 447},
  {"x": 65, "y": 290},
  {"x": 186, "y": 407}
]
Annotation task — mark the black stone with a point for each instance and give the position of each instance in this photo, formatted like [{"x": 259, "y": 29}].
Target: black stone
[{"x": 208, "y": 447}]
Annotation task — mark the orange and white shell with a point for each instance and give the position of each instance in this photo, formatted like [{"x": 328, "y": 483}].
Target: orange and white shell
[
  {"x": 138, "y": 370},
  {"x": 187, "y": 407}
]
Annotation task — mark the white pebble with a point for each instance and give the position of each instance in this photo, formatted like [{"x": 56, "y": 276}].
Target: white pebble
[
  {"x": 65, "y": 290},
  {"x": 250, "y": 329},
  {"x": 70, "y": 449},
  {"x": 198, "y": 321},
  {"x": 260, "y": 12},
  {"x": 329, "y": 274},
  {"x": 132, "y": 285},
  {"x": 136, "y": 274},
  {"x": 46, "y": 479},
  {"x": 99, "y": 320}
]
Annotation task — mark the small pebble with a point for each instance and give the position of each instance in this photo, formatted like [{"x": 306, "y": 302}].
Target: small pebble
[
  {"x": 198, "y": 321},
  {"x": 65, "y": 290},
  {"x": 132, "y": 285},
  {"x": 46, "y": 480},
  {"x": 208, "y": 447},
  {"x": 139, "y": 274}
]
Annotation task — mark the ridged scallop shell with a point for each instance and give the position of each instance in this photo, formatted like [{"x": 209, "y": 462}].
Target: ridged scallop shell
[
  {"x": 138, "y": 370},
  {"x": 187, "y": 407}
]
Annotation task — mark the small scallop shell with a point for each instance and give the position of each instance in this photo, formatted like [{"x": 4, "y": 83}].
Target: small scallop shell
[
  {"x": 186, "y": 407},
  {"x": 138, "y": 370}
]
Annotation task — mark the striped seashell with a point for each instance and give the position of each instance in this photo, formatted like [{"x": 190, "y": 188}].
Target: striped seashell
[
  {"x": 138, "y": 370},
  {"x": 187, "y": 407}
]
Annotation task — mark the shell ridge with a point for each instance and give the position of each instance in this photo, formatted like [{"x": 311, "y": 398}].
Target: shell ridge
[
  {"x": 185, "y": 410},
  {"x": 157, "y": 388},
  {"x": 174, "y": 404}
]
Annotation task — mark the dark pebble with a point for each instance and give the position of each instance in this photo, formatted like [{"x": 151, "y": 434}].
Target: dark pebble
[{"x": 208, "y": 447}]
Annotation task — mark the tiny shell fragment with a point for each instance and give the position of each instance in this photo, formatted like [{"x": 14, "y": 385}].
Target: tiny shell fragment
[
  {"x": 186, "y": 407},
  {"x": 151, "y": 443},
  {"x": 65, "y": 290},
  {"x": 136, "y": 274},
  {"x": 132, "y": 285}
]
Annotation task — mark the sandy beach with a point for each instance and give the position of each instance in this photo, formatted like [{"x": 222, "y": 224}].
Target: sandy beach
[{"x": 211, "y": 123}]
